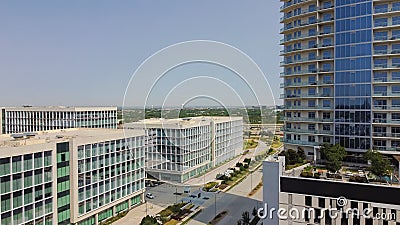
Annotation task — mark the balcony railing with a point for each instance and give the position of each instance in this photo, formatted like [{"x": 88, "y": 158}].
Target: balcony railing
[
  {"x": 306, "y": 95},
  {"x": 386, "y": 24},
  {"x": 309, "y": 107},
  {"x": 386, "y": 107},
  {"x": 387, "y": 51},
  {"x": 385, "y": 93},
  {"x": 386, "y": 134},
  {"x": 386, "y": 65},
  {"x": 298, "y": 37},
  {"x": 307, "y": 119},
  {"x": 283, "y": 85},
  {"x": 299, "y": 14},
  {"x": 306, "y": 59},
  {"x": 394, "y": 121},
  {"x": 385, "y": 38},
  {"x": 385, "y": 148},
  {"x": 385, "y": 10},
  {"x": 385, "y": 80},
  {"x": 288, "y": 4},
  {"x": 298, "y": 142}
]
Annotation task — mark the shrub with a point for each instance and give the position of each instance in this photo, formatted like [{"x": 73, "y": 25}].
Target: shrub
[{"x": 239, "y": 164}]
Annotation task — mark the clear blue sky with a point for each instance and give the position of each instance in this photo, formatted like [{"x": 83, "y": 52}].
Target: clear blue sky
[{"x": 84, "y": 52}]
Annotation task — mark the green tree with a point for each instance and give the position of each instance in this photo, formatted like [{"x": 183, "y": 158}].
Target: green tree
[
  {"x": 379, "y": 165},
  {"x": 301, "y": 155},
  {"x": 245, "y": 218},
  {"x": 148, "y": 220},
  {"x": 334, "y": 155}
]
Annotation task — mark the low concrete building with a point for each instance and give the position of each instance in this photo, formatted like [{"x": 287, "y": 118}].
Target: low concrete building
[
  {"x": 180, "y": 149},
  {"x": 72, "y": 176}
]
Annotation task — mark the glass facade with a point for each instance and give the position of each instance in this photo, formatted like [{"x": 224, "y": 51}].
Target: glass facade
[
  {"x": 26, "y": 189},
  {"x": 39, "y": 119},
  {"x": 341, "y": 72}
]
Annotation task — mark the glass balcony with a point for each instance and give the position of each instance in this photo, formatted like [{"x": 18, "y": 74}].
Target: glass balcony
[
  {"x": 326, "y": 82},
  {"x": 385, "y": 10},
  {"x": 298, "y": 142},
  {"x": 306, "y": 95},
  {"x": 307, "y": 119},
  {"x": 298, "y": 37},
  {"x": 385, "y": 38},
  {"x": 386, "y": 65},
  {"x": 387, "y": 52},
  {"x": 293, "y": 130},
  {"x": 302, "y": 24},
  {"x": 310, "y": 107},
  {"x": 386, "y": 107},
  {"x": 393, "y": 121},
  {"x": 292, "y": 3},
  {"x": 299, "y": 14},
  {"x": 306, "y": 59},
  {"x": 385, "y": 148},
  {"x": 385, "y": 93},
  {"x": 386, "y": 24},
  {"x": 385, "y": 80},
  {"x": 386, "y": 134}
]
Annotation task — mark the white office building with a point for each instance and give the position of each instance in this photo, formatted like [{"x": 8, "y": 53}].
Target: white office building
[
  {"x": 75, "y": 176},
  {"x": 180, "y": 149},
  {"x": 32, "y": 119}
]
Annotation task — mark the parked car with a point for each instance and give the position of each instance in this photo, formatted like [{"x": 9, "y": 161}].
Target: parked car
[{"x": 150, "y": 195}]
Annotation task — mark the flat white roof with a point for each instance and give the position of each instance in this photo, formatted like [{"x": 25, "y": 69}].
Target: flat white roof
[
  {"x": 180, "y": 122},
  {"x": 78, "y": 135}
]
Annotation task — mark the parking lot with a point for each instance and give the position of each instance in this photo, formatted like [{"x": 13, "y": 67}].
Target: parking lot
[{"x": 166, "y": 194}]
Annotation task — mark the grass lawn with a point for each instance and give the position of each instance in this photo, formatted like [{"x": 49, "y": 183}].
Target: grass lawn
[
  {"x": 248, "y": 144},
  {"x": 289, "y": 167},
  {"x": 172, "y": 222}
]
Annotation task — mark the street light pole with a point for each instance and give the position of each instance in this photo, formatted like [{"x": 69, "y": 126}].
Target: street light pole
[
  {"x": 176, "y": 195},
  {"x": 215, "y": 204}
]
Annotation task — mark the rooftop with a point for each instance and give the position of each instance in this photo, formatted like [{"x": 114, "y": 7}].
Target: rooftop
[
  {"x": 79, "y": 135},
  {"x": 60, "y": 108},
  {"x": 180, "y": 122}
]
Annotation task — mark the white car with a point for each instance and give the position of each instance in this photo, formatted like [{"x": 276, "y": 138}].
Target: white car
[{"x": 150, "y": 195}]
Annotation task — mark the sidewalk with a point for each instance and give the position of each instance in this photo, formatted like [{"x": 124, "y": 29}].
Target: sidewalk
[{"x": 134, "y": 217}]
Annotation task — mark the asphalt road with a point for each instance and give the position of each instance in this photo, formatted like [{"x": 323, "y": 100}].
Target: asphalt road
[{"x": 235, "y": 202}]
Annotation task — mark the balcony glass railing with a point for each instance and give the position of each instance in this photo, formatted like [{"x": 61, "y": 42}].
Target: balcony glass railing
[
  {"x": 288, "y": 4},
  {"x": 307, "y": 119},
  {"x": 385, "y": 80},
  {"x": 386, "y": 134},
  {"x": 298, "y": 142},
  {"x": 298, "y": 37},
  {"x": 294, "y": 130},
  {"x": 385, "y": 93},
  {"x": 306, "y": 59},
  {"x": 386, "y": 65},
  {"x": 306, "y": 95},
  {"x": 385, "y": 10},
  {"x": 385, "y": 148},
  {"x": 387, "y": 51},
  {"x": 385, "y": 38},
  {"x": 299, "y": 14},
  {"x": 309, "y": 107},
  {"x": 386, "y": 24},
  {"x": 379, "y": 120},
  {"x": 302, "y": 24},
  {"x": 386, "y": 107},
  {"x": 283, "y": 85}
]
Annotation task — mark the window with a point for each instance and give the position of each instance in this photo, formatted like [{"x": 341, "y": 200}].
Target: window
[{"x": 311, "y": 115}]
